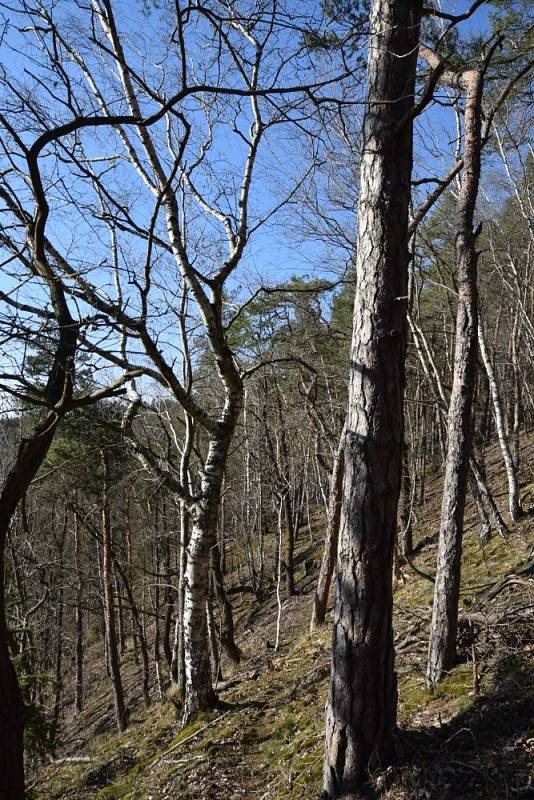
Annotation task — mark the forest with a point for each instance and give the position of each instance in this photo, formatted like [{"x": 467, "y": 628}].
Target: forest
[{"x": 267, "y": 399}]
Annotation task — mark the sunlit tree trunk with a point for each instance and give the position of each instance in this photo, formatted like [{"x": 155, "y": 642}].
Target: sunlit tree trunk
[
  {"x": 442, "y": 644},
  {"x": 362, "y": 702},
  {"x": 514, "y": 504},
  {"x": 199, "y": 693}
]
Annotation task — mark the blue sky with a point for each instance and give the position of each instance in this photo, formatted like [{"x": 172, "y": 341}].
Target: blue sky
[{"x": 281, "y": 248}]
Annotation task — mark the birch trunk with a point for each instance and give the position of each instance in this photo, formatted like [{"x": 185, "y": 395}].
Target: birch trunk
[
  {"x": 514, "y": 503},
  {"x": 361, "y": 709},
  {"x": 199, "y": 693}
]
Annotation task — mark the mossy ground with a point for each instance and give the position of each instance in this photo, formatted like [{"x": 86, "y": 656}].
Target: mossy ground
[{"x": 460, "y": 741}]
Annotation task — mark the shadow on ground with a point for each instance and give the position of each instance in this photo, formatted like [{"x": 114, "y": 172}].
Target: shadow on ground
[{"x": 483, "y": 753}]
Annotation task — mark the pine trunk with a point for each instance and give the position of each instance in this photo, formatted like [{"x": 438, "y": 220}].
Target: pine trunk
[
  {"x": 442, "y": 644},
  {"x": 361, "y": 709}
]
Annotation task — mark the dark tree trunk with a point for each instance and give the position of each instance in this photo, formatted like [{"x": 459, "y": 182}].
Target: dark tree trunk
[
  {"x": 225, "y": 609},
  {"x": 12, "y": 715},
  {"x": 129, "y": 552},
  {"x": 405, "y": 506},
  {"x": 109, "y": 609},
  {"x": 58, "y": 671},
  {"x": 362, "y": 702},
  {"x": 78, "y": 695},
  {"x": 140, "y": 635},
  {"x": 169, "y": 599},
  {"x": 31, "y": 454}
]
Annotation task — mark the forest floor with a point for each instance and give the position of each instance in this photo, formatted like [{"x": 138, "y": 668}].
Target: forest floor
[{"x": 470, "y": 738}]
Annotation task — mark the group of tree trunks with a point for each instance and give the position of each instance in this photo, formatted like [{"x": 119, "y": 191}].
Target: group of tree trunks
[{"x": 370, "y": 495}]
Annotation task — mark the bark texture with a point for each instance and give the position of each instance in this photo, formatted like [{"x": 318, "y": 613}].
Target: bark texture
[
  {"x": 361, "y": 709},
  {"x": 442, "y": 643},
  {"x": 199, "y": 693}
]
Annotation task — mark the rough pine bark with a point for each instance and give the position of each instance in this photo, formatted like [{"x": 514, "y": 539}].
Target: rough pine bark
[
  {"x": 361, "y": 708},
  {"x": 442, "y": 643}
]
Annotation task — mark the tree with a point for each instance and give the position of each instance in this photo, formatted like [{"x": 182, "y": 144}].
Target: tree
[
  {"x": 361, "y": 707},
  {"x": 192, "y": 225},
  {"x": 442, "y": 643}
]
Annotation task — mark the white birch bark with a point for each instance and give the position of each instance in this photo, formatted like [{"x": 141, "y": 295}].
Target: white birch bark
[{"x": 514, "y": 503}]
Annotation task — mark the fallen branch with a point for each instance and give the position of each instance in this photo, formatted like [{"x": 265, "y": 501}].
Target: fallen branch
[{"x": 189, "y": 738}]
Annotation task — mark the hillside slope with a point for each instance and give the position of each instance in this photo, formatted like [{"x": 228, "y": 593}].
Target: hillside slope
[{"x": 472, "y": 738}]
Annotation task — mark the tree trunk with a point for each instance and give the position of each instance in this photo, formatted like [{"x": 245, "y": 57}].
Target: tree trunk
[
  {"x": 328, "y": 563},
  {"x": 514, "y": 504},
  {"x": 225, "y": 609},
  {"x": 140, "y": 634},
  {"x": 199, "y": 694},
  {"x": 58, "y": 671},
  {"x": 442, "y": 644},
  {"x": 157, "y": 623},
  {"x": 178, "y": 668},
  {"x": 129, "y": 552},
  {"x": 169, "y": 604},
  {"x": 405, "y": 506},
  {"x": 361, "y": 709},
  {"x": 12, "y": 709},
  {"x": 109, "y": 610},
  {"x": 78, "y": 692},
  {"x": 30, "y": 455}
]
